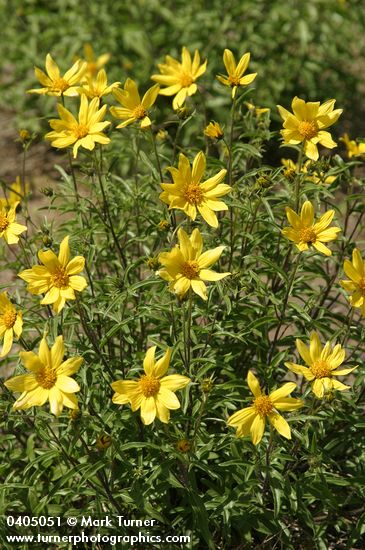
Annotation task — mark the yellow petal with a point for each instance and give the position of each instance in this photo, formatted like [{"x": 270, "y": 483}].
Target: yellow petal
[
  {"x": 57, "y": 352},
  {"x": 174, "y": 382},
  {"x": 253, "y": 384},
  {"x": 168, "y": 398},
  {"x": 284, "y": 391},
  {"x": 149, "y": 361},
  {"x": 148, "y": 410},
  {"x": 199, "y": 288},
  {"x": 162, "y": 364},
  {"x": 280, "y": 424},
  {"x": 257, "y": 429},
  {"x": 64, "y": 253},
  {"x": 66, "y": 384}
]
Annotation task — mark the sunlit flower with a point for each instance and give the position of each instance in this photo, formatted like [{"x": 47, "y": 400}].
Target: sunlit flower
[
  {"x": 153, "y": 393},
  {"x": 292, "y": 168},
  {"x": 48, "y": 380},
  {"x": 14, "y": 194},
  {"x": 354, "y": 149},
  {"x": 322, "y": 365},
  {"x": 11, "y": 322},
  {"x": 251, "y": 420},
  {"x": 133, "y": 108},
  {"x": 180, "y": 77},
  {"x": 355, "y": 270},
  {"x": 234, "y": 77},
  {"x": 84, "y": 132},
  {"x": 57, "y": 278},
  {"x": 186, "y": 266},
  {"x": 94, "y": 64},
  {"x": 54, "y": 83},
  {"x": 97, "y": 86},
  {"x": 304, "y": 232},
  {"x": 190, "y": 194},
  {"x": 9, "y": 228},
  {"x": 214, "y": 131},
  {"x": 307, "y": 124}
]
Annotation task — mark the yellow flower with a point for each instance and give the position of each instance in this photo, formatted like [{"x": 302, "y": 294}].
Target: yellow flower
[
  {"x": 153, "y": 393},
  {"x": 186, "y": 266},
  {"x": 57, "y": 277},
  {"x": 322, "y": 363},
  {"x": 189, "y": 194},
  {"x": 304, "y": 232},
  {"x": 180, "y": 77},
  {"x": 15, "y": 193},
  {"x": 251, "y": 420},
  {"x": 11, "y": 322},
  {"x": 133, "y": 108},
  {"x": 214, "y": 131},
  {"x": 94, "y": 64},
  {"x": 257, "y": 110},
  {"x": 54, "y": 83},
  {"x": 183, "y": 446},
  {"x": 24, "y": 135},
  {"x": 84, "y": 132},
  {"x": 235, "y": 72},
  {"x": 292, "y": 168},
  {"x": 9, "y": 229},
  {"x": 353, "y": 149},
  {"x": 97, "y": 87},
  {"x": 103, "y": 442},
  {"x": 355, "y": 270},
  {"x": 49, "y": 379},
  {"x": 307, "y": 124}
]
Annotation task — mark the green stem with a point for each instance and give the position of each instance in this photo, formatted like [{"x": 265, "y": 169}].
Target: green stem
[
  {"x": 285, "y": 302},
  {"x": 107, "y": 213},
  {"x": 156, "y": 154},
  {"x": 298, "y": 176},
  {"x": 230, "y": 182}
]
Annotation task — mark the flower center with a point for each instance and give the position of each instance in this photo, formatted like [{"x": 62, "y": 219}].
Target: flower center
[
  {"x": 186, "y": 79},
  {"x": 308, "y": 129},
  {"x": 139, "y": 112},
  {"x": 81, "y": 130},
  {"x": 307, "y": 235},
  {"x": 59, "y": 278},
  {"x": 9, "y": 317},
  {"x": 190, "y": 269},
  {"x": 263, "y": 405},
  {"x": 234, "y": 80},
  {"x": 320, "y": 369},
  {"x": 46, "y": 378},
  {"x": 60, "y": 85},
  {"x": 193, "y": 193},
  {"x": 361, "y": 284},
  {"x": 149, "y": 385},
  {"x": 4, "y": 222}
]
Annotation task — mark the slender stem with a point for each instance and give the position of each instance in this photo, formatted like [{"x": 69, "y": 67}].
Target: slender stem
[
  {"x": 230, "y": 182},
  {"x": 188, "y": 330},
  {"x": 107, "y": 213},
  {"x": 71, "y": 165},
  {"x": 199, "y": 419},
  {"x": 156, "y": 154},
  {"x": 267, "y": 462},
  {"x": 285, "y": 302},
  {"x": 298, "y": 176}
]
